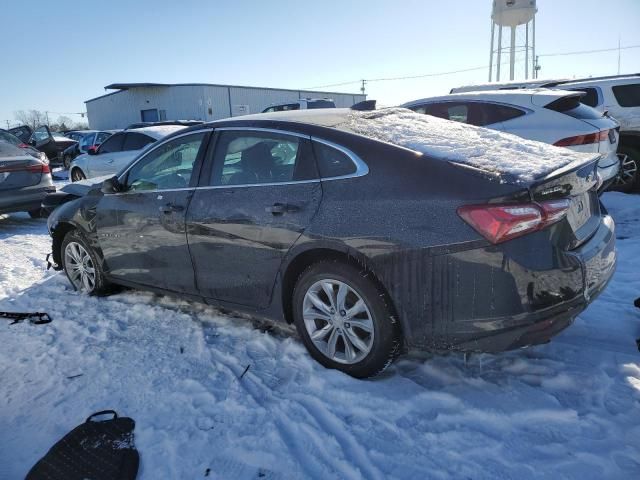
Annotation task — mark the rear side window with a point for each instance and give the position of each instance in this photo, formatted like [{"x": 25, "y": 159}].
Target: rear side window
[
  {"x": 7, "y": 137},
  {"x": 473, "y": 113},
  {"x": 490, "y": 113},
  {"x": 251, "y": 158},
  {"x": 332, "y": 162},
  {"x": 591, "y": 96},
  {"x": 113, "y": 143},
  {"x": 136, "y": 141},
  {"x": 571, "y": 106},
  {"x": 627, "y": 95}
]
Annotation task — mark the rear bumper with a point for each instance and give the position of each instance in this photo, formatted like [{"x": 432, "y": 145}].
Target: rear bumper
[
  {"x": 24, "y": 200},
  {"x": 597, "y": 260},
  {"x": 498, "y": 297}
]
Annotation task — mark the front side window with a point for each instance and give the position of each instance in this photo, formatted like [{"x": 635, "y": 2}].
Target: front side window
[
  {"x": 167, "y": 167},
  {"x": 102, "y": 136},
  {"x": 136, "y": 141},
  {"x": 113, "y": 143},
  {"x": 249, "y": 158},
  {"x": 482, "y": 114},
  {"x": 627, "y": 95},
  {"x": 40, "y": 134}
]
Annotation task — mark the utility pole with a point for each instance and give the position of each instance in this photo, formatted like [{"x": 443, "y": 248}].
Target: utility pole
[
  {"x": 537, "y": 67},
  {"x": 619, "y": 50},
  {"x": 8, "y": 126},
  {"x": 47, "y": 114},
  {"x": 364, "y": 82}
]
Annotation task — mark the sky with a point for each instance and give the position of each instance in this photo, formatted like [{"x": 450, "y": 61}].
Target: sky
[{"x": 65, "y": 52}]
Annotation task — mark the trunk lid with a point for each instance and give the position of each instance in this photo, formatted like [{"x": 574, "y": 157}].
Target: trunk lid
[
  {"x": 577, "y": 182},
  {"x": 17, "y": 169}
]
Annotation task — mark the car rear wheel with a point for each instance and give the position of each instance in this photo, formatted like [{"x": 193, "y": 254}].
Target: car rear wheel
[
  {"x": 77, "y": 175},
  {"x": 628, "y": 179},
  {"x": 345, "y": 320},
  {"x": 82, "y": 265}
]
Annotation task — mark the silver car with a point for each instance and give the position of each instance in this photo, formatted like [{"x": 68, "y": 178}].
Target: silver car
[{"x": 24, "y": 181}]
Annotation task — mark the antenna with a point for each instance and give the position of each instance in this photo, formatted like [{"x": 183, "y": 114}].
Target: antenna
[{"x": 520, "y": 17}]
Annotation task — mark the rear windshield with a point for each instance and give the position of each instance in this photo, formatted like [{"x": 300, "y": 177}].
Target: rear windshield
[
  {"x": 321, "y": 104},
  {"x": 7, "y": 137},
  {"x": 571, "y": 106},
  {"x": 627, "y": 95}
]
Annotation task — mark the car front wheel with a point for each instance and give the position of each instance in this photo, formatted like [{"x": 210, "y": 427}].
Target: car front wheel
[
  {"x": 82, "y": 265},
  {"x": 345, "y": 320},
  {"x": 77, "y": 175}
]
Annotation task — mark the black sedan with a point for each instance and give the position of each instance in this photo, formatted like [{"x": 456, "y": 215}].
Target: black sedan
[{"x": 373, "y": 232}]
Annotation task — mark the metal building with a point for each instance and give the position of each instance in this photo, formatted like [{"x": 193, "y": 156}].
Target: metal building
[{"x": 135, "y": 102}]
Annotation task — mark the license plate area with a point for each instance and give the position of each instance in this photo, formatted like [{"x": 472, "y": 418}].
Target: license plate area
[{"x": 580, "y": 210}]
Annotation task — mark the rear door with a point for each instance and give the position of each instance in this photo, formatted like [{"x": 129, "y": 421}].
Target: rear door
[
  {"x": 258, "y": 194},
  {"x": 141, "y": 230}
]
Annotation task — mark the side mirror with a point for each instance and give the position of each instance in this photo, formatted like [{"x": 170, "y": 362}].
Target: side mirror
[
  {"x": 93, "y": 150},
  {"x": 111, "y": 185}
]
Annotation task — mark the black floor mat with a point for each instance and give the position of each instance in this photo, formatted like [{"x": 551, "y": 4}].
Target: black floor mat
[{"x": 95, "y": 450}]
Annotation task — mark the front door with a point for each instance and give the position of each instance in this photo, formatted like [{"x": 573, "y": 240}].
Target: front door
[
  {"x": 141, "y": 229},
  {"x": 259, "y": 196}
]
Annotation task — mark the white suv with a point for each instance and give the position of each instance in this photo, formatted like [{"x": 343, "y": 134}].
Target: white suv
[
  {"x": 556, "y": 117},
  {"x": 619, "y": 95}
]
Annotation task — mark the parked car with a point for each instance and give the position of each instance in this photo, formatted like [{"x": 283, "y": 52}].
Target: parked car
[
  {"x": 184, "y": 123},
  {"x": 551, "y": 116},
  {"x": 24, "y": 181},
  {"x": 117, "y": 151},
  {"x": 15, "y": 141},
  {"x": 86, "y": 139},
  {"x": 302, "y": 104},
  {"x": 23, "y": 132},
  {"x": 371, "y": 231},
  {"x": 619, "y": 95},
  {"x": 51, "y": 143}
]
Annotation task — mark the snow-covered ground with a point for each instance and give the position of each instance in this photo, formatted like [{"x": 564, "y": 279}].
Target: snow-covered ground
[{"x": 568, "y": 409}]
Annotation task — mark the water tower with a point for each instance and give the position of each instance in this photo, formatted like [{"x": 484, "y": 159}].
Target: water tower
[{"x": 520, "y": 17}]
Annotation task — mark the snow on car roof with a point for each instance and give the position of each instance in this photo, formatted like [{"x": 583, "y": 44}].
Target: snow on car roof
[
  {"x": 158, "y": 131},
  {"x": 512, "y": 158}
]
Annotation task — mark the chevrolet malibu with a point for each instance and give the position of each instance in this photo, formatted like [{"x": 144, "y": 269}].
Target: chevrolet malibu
[{"x": 373, "y": 232}]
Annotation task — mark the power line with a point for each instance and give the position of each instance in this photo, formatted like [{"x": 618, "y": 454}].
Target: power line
[
  {"x": 583, "y": 52},
  {"x": 440, "y": 74}
]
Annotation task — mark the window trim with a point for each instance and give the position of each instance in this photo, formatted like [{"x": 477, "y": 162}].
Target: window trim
[{"x": 362, "y": 168}]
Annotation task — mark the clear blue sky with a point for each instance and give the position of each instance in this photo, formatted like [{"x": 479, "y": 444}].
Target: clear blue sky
[{"x": 58, "y": 54}]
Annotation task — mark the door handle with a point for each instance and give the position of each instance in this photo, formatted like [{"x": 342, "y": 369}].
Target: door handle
[
  {"x": 281, "y": 208},
  {"x": 170, "y": 208}
]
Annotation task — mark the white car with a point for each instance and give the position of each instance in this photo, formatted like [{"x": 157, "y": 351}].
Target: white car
[
  {"x": 117, "y": 151},
  {"x": 301, "y": 104},
  {"x": 617, "y": 94},
  {"x": 550, "y": 116}
]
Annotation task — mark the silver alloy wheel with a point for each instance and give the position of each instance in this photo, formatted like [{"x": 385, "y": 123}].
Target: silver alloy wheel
[
  {"x": 338, "y": 321},
  {"x": 79, "y": 267},
  {"x": 628, "y": 170}
]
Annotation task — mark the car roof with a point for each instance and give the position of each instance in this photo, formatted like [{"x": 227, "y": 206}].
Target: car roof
[
  {"x": 158, "y": 131},
  {"x": 523, "y": 97},
  {"x": 617, "y": 80}
]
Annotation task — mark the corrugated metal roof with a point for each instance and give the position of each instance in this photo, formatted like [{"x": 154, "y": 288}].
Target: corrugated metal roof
[{"x": 127, "y": 86}]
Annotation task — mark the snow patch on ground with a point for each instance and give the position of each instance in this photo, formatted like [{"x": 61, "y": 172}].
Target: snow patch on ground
[
  {"x": 505, "y": 155},
  {"x": 568, "y": 409}
]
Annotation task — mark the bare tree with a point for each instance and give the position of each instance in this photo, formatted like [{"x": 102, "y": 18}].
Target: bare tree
[{"x": 33, "y": 118}]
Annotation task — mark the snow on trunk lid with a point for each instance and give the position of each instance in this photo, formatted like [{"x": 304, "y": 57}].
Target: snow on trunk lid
[{"x": 509, "y": 157}]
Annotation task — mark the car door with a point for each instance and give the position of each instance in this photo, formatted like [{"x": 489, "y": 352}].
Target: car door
[
  {"x": 258, "y": 194},
  {"x": 141, "y": 228},
  {"x": 102, "y": 161},
  {"x": 42, "y": 139}
]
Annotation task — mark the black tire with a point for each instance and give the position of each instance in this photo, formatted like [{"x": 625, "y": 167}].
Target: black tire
[
  {"x": 66, "y": 162},
  {"x": 100, "y": 285},
  {"x": 36, "y": 213},
  {"x": 386, "y": 342},
  {"x": 77, "y": 175},
  {"x": 627, "y": 182}
]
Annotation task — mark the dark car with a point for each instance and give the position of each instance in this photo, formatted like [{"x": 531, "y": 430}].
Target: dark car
[
  {"x": 369, "y": 247},
  {"x": 24, "y": 181},
  {"x": 8, "y": 137},
  {"x": 85, "y": 139},
  {"x": 23, "y": 132},
  {"x": 51, "y": 143}
]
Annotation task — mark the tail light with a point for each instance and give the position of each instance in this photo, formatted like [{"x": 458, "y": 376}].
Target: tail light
[
  {"x": 36, "y": 168},
  {"x": 499, "y": 223},
  {"x": 23, "y": 145},
  {"x": 584, "y": 139}
]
